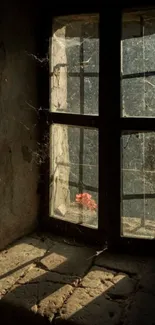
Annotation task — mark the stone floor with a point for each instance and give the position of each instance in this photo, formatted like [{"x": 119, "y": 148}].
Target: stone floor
[{"x": 47, "y": 280}]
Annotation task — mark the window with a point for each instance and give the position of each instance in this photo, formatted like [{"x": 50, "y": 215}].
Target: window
[
  {"x": 74, "y": 94},
  {"x": 79, "y": 131},
  {"x": 101, "y": 127},
  {"x": 138, "y": 108}
]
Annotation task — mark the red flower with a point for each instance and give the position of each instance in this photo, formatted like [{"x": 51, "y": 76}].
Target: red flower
[{"x": 86, "y": 200}]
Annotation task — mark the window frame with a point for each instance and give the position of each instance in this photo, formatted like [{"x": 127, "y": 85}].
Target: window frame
[{"x": 110, "y": 125}]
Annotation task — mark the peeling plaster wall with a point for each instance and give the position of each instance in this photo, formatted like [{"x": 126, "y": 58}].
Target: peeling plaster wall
[{"x": 18, "y": 129}]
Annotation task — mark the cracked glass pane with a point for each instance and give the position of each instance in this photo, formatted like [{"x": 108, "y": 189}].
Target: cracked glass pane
[
  {"x": 74, "y": 174},
  {"x": 138, "y": 64},
  {"x": 138, "y": 185},
  {"x": 74, "y": 65}
]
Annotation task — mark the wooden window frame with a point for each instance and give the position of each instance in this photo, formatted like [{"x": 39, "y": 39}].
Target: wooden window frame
[{"x": 110, "y": 125}]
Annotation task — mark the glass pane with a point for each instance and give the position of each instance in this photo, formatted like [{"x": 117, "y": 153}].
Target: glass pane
[
  {"x": 91, "y": 86},
  {"x": 74, "y": 65},
  {"x": 138, "y": 64},
  {"x": 138, "y": 185},
  {"x": 74, "y": 174}
]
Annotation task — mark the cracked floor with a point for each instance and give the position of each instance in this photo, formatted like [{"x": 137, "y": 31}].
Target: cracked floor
[{"x": 59, "y": 282}]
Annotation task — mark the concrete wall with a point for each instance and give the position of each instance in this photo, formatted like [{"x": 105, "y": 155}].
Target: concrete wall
[{"x": 18, "y": 129}]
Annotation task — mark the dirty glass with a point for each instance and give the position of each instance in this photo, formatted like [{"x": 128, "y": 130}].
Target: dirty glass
[
  {"x": 138, "y": 65},
  {"x": 138, "y": 185},
  {"x": 74, "y": 174},
  {"x": 74, "y": 65}
]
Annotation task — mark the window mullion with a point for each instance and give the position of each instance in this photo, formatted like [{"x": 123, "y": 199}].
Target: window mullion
[
  {"x": 74, "y": 119},
  {"x": 109, "y": 133},
  {"x": 139, "y": 124}
]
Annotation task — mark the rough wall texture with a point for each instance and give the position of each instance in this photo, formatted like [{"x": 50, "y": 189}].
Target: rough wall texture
[{"x": 18, "y": 129}]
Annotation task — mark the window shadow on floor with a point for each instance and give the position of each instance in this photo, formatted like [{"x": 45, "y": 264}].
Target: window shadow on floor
[{"x": 68, "y": 285}]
